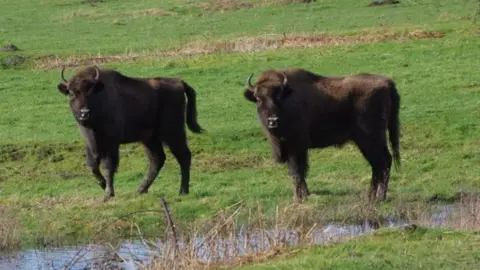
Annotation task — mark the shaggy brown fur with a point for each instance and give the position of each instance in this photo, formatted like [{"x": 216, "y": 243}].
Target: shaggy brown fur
[
  {"x": 301, "y": 110},
  {"x": 113, "y": 109}
]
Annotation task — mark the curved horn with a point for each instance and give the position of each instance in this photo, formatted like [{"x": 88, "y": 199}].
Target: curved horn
[
  {"x": 284, "y": 79},
  {"x": 249, "y": 81},
  {"x": 61, "y": 75},
  {"x": 97, "y": 74}
]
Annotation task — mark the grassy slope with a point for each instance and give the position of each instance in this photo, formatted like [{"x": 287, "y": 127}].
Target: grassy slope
[
  {"x": 422, "y": 249},
  {"x": 43, "y": 176}
]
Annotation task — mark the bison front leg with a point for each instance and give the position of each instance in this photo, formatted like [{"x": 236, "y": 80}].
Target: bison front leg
[
  {"x": 93, "y": 163},
  {"x": 110, "y": 162},
  {"x": 298, "y": 168}
]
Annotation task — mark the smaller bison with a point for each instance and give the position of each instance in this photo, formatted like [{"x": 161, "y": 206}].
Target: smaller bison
[
  {"x": 300, "y": 110},
  {"x": 112, "y": 109}
]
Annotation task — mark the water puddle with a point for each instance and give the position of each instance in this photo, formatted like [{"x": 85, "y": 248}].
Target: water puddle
[{"x": 132, "y": 255}]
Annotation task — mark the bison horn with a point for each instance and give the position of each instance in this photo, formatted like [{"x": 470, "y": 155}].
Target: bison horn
[
  {"x": 97, "y": 74},
  {"x": 61, "y": 75},
  {"x": 284, "y": 79},
  {"x": 249, "y": 82}
]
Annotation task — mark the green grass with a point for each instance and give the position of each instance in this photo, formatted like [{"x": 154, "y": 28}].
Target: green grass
[
  {"x": 387, "y": 249},
  {"x": 43, "y": 179}
]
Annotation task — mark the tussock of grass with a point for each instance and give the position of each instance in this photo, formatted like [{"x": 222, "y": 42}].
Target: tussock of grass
[{"x": 246, "y": 44}]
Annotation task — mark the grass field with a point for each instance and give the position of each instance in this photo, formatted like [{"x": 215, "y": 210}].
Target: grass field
[{"x": 429, "y": 48}]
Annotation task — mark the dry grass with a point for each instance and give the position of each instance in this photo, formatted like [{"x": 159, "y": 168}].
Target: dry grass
[
  {"x": 229, "y": 5},
  {"x": 260, "y": 239},
  {"x": 445, "y": 16},
  {"x": 226, "y": 5},
  {"x": 464, "y": 214},
  {"x": 152, "y": 12},
  {"x": 9, "y": 230},
  {"x": 239, "y": 235},
  {"x": 246, "y": 44}
]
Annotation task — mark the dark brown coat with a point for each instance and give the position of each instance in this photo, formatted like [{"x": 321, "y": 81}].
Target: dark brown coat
[
  {"x": 300, "y": 110},
  {"x": 113, "y": 109}
]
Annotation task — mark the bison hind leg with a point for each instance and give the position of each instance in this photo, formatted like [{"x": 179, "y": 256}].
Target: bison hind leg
[
  {"x": 373, "y": 149},
  {"x": 178, "y": 146},
  {"x": 385, "y": 177},
  {"x": 156, "y": 157}
]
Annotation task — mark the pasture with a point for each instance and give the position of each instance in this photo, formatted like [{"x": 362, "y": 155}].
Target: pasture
[{"x": 48, "y": 197}]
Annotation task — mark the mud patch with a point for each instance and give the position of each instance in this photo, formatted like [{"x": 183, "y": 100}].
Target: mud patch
[
  {"x": 384, "y": 2},
  {"x": 92, "y": 1},
  {"x": 246, "y": 44}
]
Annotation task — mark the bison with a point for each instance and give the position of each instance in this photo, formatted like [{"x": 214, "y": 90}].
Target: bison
[
  {"x": 112, "y": 109},
  {"x": 300, "y": 110}
]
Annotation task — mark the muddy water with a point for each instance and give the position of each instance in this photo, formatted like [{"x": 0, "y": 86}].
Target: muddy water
[{"x": 133, "y": 254}]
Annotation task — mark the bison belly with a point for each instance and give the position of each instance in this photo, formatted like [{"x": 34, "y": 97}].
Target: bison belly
[{"x": 329, "y": 137}]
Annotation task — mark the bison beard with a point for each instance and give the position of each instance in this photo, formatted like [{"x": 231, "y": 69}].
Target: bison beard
[
  {"x": 113, "y": 109},
  {"x": 317, "y": 112}
]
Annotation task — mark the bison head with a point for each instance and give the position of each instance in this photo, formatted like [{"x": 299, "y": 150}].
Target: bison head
[
  {"x": 81, "y": 89},
  {"x": 268, "y": 94}
]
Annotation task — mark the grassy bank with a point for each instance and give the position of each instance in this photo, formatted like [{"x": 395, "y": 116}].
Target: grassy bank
[
  {"x": 44, "y": 183},
  {"x": 418, "y": 249}
]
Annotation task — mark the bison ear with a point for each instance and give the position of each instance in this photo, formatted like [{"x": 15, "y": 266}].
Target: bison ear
[
  {"x": 248, "y": 94},
  {"x": 98, "y": 86},
  {"x": 62, "y": 88}
]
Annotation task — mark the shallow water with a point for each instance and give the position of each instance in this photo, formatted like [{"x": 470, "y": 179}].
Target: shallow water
[{"x": 132, "y": 254}]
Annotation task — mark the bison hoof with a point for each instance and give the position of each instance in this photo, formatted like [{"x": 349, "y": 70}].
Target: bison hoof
[
  {"x": 300, "y": 199},
  {"x": 183, "y": 191},
  {"x": 108, "y": 195}
]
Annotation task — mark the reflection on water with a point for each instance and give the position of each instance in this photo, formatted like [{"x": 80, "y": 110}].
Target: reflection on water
[{"x": 133, "y": 254}]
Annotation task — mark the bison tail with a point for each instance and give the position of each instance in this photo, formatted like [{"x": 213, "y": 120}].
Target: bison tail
[
  {"x": 192, "y": 109},
  {"x": 394, "y": 126}
]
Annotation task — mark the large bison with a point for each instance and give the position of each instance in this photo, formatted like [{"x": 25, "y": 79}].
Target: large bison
[
  {"x": 112, "y": 109},
  {"x": 300, "y": 110}
]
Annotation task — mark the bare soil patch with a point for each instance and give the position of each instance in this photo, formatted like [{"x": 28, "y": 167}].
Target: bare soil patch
[
  {"x": 384, "y": 2},
  {"x": 246, "y": 44}
]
